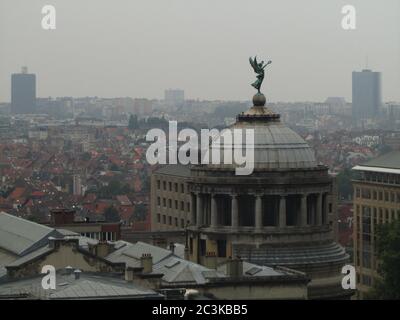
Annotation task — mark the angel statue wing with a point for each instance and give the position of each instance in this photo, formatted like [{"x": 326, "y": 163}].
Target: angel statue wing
[{"x": 254, "y": 64}]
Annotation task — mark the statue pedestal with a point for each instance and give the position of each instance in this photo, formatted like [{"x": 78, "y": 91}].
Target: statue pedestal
[{"x": 259, "y": 100}]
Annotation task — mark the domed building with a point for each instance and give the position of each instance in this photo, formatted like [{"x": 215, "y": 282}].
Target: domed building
[{"x": 279, "y": 215}]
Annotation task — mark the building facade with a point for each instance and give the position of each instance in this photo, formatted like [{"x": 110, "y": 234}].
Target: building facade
[
  {"x": 280, "y": 215},
  {"x": 174, "y": 97},
  {"x": 23, "y": 92},
  {"x": 170, "y": 199},
  {"x": 376, "y": 201},
  {"x": 366, "y": 95}
]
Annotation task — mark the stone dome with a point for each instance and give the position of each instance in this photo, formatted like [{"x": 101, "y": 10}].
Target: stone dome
[{"x": 275, "y": 145}]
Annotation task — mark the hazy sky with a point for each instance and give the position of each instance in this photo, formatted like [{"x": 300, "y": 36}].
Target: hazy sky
[{"x": 138, "y": 48}]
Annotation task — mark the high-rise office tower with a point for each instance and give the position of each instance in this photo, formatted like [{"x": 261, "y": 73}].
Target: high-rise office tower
[
  {"x": 23, "y": 92},
  {"x": 366, "y": 94}
]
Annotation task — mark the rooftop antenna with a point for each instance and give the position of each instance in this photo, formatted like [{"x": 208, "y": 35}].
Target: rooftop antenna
[
  {"x": 366, "y": 62},
  {"x": 24, "y": 70}
]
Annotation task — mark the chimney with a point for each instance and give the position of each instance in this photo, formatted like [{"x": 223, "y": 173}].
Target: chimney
[
  {"x": 129, "y": 274},
  {"x": 234, "y": 267},
  {"x": 102, "y": 249},
  {"x": 77, "y": 274},
  {"x": 211, "y": 260},
  {"x": 52, "y": 242},
  {"x": 172, "y": 247},
  {"x": 68, "y": 270},
  {"x": 61, "y": 217},
  {"x": 146, "y": 262},
  {"x": 186, "y": 257}
]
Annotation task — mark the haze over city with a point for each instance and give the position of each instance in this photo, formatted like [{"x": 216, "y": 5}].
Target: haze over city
[{"x": 139, "y": 48}]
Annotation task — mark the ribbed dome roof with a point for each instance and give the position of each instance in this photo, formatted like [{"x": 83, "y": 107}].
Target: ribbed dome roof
[{"x": 275, "y": 145}]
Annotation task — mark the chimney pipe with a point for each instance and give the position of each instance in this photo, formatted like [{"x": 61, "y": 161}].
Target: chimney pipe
[
  {"x": 68, "y": 270},
  {"x": 77, "y": 274},
  {"x": 234, "y": 267},
  {"x": 172, "y": 247},
  {"x": 146, "y": 262}
]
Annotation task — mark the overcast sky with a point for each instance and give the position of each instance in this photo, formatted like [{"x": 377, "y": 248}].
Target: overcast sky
[{"x": 138, "y": 48}]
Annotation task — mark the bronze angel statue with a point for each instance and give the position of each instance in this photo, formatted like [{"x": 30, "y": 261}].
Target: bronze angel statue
[{"x": 259, "y": 69}]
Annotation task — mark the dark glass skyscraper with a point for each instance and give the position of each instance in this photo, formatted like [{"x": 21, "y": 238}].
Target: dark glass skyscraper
[
  {"x": 23, "y": 92},
  {"x": 366, "y": 94}
]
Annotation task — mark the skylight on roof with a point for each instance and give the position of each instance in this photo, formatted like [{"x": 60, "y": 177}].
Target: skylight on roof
[
  {"x": 172, "y": 263},
  {"x": 253, "y": 271}
]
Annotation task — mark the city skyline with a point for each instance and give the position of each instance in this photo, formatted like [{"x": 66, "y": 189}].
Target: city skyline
[{"x": 98, "y": 49}]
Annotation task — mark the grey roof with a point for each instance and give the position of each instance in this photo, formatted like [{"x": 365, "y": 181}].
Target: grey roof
[
  {"x": 30, "y": 256},
  {"x": 177, "y": 270},
  {"x": 175, "y": 170},
  {"x": 88, "y": 286},
  {"x": 389, "y": 160},
  {"x": 252, "y": 270},
  {"x": 275, "y": 146},
  {"x": 289, "y": 256},
  {"x": 133, "y": 252},
  {"x": 20, "y": 236}
]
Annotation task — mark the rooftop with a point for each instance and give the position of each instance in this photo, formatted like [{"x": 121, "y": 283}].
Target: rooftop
[
  {"x": 20, "y": 236},
  {"x": 88, "y": 286}
]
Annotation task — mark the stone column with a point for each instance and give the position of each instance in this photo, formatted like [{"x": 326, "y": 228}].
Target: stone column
[
  {"x": 318, "y": 211},
  {"x": 214, "y": 217},
  {"x": 234, "y": 211},
  {"x": 303, "y": 210},
  {"x": 325, "y": 209},
  {"x": 282, "y": 212},
  {"x": 258, "y": 207},
  {"x": 192, "y": 209},
  {"x": 199, "y": 210}
]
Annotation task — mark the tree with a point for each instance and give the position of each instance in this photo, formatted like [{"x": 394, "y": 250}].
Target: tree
[
  {"x": 345, "y": 187},
  {"x": 140, "y": 212},
  {"x": 111, "y": 214},
  {"x": 388, "y": 254}
]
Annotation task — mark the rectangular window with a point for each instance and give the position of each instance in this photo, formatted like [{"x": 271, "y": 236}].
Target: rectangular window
[
  {"x": 158, "y": 201},
  {"x": 158, "y": 184},
  {"x": 170, "y": 186},
  {"x": 202, "y": 247},
  {"x": 221, "y": 248},
  {"x": 164, "y": 202},
  {"x": 170, "y": 220},
  {"x": 182, "y": 223},
  {"x": 176, "y": 222},
  {"x": 176, "y": 187},
  {"x": 182, "y": 188},
  {"x": 380, "y": 196},
  {"x": 386, "y": 196},
  {"x": 170, "y": 203},
  {"x": 176, "y": 204},
  {"x": 191, "y": 245},
  {"x": 366, "y": 194},
  {"x": 182, "y": 205},
  {"x": 164, "y": 219},
  {"x": 158, "y": 218},
  {"x": 164, "y": 185}
]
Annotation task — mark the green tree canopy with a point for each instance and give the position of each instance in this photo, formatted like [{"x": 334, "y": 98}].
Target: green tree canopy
[
  {"x": 111, "y": 214},
  {"x": 388, "y": 254},
  {"x": 345, "y": 187}
]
